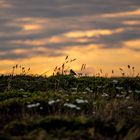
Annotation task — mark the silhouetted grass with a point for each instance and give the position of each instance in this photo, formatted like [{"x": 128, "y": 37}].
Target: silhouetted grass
[{"x": 69, "y": 107}]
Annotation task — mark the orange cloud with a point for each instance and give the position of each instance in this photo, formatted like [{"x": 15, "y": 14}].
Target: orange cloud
[
  {"x": 91, "y": 33},
  {"x": 28, "y": 42},
  {"x": 132, "y": 44},
  {"x": 19, "y": 51},
  {"x": 31, "y": 27},
  {"x": 132, "y": 22}
]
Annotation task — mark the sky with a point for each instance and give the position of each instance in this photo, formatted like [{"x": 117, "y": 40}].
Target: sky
[{"x": 103, "y": 34}]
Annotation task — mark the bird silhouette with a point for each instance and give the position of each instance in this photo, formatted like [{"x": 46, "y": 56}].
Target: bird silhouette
[{"x": 72, "y": 72}]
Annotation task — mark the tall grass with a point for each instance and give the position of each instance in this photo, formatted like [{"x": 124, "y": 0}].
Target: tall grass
[{"x": 69, "y": 106}]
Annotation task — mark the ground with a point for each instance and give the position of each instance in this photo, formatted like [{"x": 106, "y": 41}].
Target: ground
[{"x": 69, "y": 108}]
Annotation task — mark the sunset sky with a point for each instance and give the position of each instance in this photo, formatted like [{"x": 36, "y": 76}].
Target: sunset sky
[{"x": 104, "y": 34}]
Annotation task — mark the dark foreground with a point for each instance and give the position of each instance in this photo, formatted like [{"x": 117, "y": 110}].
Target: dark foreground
[{"x": 68, "y": 108}]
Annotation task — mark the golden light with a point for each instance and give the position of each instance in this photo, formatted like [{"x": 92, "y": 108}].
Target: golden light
[
  {"x": 20, "y": 51},
  {"x": 91, "y": 33},
  {"x": 31, "y": 27},
  {"x": 97, "y": 59},
  {"x": 132, "y": 44},
  {"x": 105, "y": 59},
  {"x": 132, "y": 22}
]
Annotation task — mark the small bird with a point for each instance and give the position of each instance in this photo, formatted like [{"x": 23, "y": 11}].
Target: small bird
[{"x": 72, "y": 72}]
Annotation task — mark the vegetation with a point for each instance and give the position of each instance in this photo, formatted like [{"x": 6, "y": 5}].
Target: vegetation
[
  {"x": 69, "y": 107},
  {"x": 66, "y": 107}
]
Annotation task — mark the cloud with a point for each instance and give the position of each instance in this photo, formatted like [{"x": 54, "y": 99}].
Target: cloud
[
  {"x": 55, "y": 25},
  {"x": 68, "y": 8}
]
